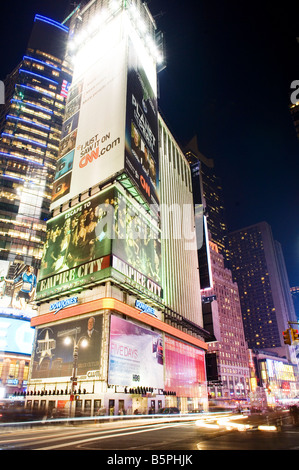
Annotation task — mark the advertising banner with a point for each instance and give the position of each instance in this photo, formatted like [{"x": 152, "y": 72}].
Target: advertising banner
[
  {"x": 78, "y": 236},
  {"x": 137, "y": 241},
  {"x": 53, "y": 352},
  {"x": 92, "y": 145},
  {"x": 111, "y": 118},
  {"x": 80, "y": 243},
  {"x": 184, "y": 368},
  {"x": 135, "y": 355},
  {"x": 141, "y": 158},
  {"x": 18, "y": 283}
]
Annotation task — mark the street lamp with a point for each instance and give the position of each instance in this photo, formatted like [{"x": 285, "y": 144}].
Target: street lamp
[{"x": 83, "y": 342}]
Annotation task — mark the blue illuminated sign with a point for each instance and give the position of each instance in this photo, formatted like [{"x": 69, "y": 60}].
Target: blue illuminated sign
[
  {"x": 57, "y": 306},
  {"x": 145, "y": 308}
]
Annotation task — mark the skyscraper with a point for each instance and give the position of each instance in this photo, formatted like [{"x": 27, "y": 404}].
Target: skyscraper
[
  {"x": 295, "y": 297},
  {"x": 108, "y": 316},
  {"x": 30, "y": 125},
  {"x": 258, "y": 268},
  {"x": 182, "y": 287},
  {"x": 229, "y": 348},
  {"x": 212, "y": 194},
  {"x": 227, "y": 357}
]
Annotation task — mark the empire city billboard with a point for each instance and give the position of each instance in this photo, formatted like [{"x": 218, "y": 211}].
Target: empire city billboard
[
  {"x": 111, "y": 117},
  {"x": 103, "y": 236},
  {"x": 135, "y": 355}
]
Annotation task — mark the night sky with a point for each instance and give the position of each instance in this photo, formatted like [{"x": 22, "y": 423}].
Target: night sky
[{"x": 230, "y": 65}]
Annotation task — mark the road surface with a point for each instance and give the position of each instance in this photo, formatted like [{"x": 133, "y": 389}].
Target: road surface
[{"x": 180, "y": 435}]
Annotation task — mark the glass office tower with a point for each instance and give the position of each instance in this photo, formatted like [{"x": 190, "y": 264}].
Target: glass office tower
[{"x": 30, "y": 126}]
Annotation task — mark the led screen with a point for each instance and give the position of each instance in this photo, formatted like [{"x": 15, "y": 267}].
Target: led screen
[{"x": 16, "y": 335}]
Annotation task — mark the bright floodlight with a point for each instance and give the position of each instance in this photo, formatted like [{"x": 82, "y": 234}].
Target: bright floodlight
[{"x": 84, "y": 343}]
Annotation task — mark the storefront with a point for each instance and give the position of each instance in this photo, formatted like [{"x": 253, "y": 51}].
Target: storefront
[
  {"x": 107, "y": 357},
  {"x": 16, "y": 340}
]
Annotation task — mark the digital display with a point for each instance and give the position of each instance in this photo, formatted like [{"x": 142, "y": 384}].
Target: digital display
[{"x": 16, "y": 335}]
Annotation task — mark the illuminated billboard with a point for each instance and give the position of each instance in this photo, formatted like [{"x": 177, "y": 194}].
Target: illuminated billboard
[
  {"x": 16, "y": 336},
  {"x": 85, "y": 242},
  {"x": 184, "y": 368},
  {"x": 111, "y": 117},
  {"x": 278, "y": 370},
  {"x": 141, "y": 158},
  {"x": 91, "y": 149},
  {"x": 17, "y": 288},
  {"x": 54, "y": 348},
  {"x": 135, "y": 355}
]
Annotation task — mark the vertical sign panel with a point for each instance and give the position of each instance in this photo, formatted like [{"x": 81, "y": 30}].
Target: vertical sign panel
[
  {"x": 92, "y": 145},
  {"x": 141, "y": 159}
]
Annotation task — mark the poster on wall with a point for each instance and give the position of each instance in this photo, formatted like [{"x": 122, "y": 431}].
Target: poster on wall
[
  {"x": 54, "y": 348},
  {"x": 135, "y": 355},
  {"x": 184, "y": 368},
  {"x": 141, "y": 156}
]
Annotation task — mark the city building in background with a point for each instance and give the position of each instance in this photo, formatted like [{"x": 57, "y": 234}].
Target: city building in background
[
  {"x": 179, "y": 240},
  {"x": 295, "y": 297},
  {"x": 113, "y": 335},
  {"x": 258, "y": 269},
  {"x": 267, "y": 309},
  {"x": 227, "y": 360},
  {"x": 30, "y": 127},
  {"x": 229, "y": 349},
  {"x": 212, "y": 194}
]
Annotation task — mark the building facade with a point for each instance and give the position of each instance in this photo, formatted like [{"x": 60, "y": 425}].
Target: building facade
[
  {"x": 295, "y": 297},
  {"x": 112, "y": 336},
  {"x": 30, "y": 125},
  {"x": 257, "y": 269},
  {"x": 276, "y": 380},
  {"x": 228, "y": 371},
  {"x": 210, "y": 186},
  {"x": 231, "y": 386}
]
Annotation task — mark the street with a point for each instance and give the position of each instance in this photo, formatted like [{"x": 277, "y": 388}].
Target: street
[{"x": 171, "y": 433}]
